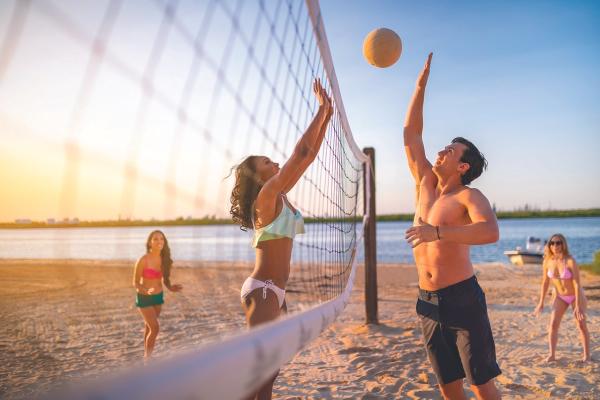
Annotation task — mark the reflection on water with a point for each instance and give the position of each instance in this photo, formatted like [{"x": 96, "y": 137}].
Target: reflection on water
[{"x": 229, "y": 243}]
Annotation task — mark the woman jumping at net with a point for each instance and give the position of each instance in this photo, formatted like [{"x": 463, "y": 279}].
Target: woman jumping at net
[
  {"x": 259, "y": 202},
  {"x": 561, "y": 269},
  {"x": 151, "y": 270}
]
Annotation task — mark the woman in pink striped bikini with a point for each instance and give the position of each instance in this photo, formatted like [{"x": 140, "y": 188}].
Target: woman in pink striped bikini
[{"x": 561, "y": 269}]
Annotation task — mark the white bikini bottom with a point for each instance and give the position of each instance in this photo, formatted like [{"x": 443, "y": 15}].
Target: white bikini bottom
[{"x": 251, "y": 284}]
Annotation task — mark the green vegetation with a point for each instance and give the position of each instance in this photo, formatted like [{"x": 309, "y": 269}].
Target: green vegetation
[
  {"x": 590, "y": 212},
  {"x": 395, "y": 217},
  {"x": 120, "y": 223},
  {"x": 594, "y": 267},
  {"x": 212, "y": 220}
]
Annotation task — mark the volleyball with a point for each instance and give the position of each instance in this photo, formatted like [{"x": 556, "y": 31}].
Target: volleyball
[{"x": 382, "y": 47}]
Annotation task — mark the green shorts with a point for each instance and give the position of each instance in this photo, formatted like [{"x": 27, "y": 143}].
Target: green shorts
[{"x": 144, "y": 300}]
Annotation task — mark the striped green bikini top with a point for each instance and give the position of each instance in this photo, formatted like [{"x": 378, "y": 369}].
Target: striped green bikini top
[{"x": 286, "y": 224}]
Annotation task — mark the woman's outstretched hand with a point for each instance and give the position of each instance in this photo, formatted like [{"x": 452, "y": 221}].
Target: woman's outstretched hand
[
  {"x": 577, "y": 312},
  {"x": 176, "y": 287},
  {"x": 322, "y": 96}
]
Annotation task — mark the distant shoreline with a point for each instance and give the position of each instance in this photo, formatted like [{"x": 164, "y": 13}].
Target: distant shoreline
[
  {"x": 590, "y": 212},
  {"x": 577, "y": 213}
]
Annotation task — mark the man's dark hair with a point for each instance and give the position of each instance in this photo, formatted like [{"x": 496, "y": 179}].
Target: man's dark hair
[{"x": 474, "y": 158}]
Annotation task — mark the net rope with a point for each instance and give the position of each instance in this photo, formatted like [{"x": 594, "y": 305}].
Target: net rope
[{"x": 158, "y": 100}]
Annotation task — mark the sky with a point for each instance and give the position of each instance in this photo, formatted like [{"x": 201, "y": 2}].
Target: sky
[{"x": 519, "y": 79}]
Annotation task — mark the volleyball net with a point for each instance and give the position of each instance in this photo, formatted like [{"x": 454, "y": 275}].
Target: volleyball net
[{"x": 130, "y": 110}]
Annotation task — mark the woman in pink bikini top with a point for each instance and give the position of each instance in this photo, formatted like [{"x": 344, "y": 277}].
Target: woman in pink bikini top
[
  {"x": 561, "y": 269},
  {"x": 151, "y": 271}
]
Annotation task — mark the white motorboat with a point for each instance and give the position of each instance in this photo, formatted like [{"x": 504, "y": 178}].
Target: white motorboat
[{"x": 532, "y": 254}]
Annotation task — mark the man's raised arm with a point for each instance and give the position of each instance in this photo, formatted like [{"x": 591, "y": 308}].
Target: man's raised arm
[{"x": 413, "y": 128}]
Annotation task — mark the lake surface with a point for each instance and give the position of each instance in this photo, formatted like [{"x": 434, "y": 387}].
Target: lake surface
[{"x": 228, "y": 243}]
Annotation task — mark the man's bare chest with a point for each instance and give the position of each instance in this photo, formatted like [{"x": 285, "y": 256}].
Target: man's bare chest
[{"x": 441, "y": 209}]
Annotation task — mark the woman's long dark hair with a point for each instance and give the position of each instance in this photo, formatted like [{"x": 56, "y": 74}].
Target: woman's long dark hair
[
  {"x": 165, "y": 257},
  {"x": 244, "y": 193}
]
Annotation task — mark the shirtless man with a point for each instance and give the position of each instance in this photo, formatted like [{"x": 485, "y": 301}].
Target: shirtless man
[{"x": 449, "y": 217}]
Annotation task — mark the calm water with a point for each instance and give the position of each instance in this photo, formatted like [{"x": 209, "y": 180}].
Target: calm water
[{"x": 227, "y": 242}]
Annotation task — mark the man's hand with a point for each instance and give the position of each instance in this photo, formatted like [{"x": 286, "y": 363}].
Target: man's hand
[
  {"x": 424, "y": 75},
  {"x": 421, "y": 233},
  {"x": 413, "y": 128}
]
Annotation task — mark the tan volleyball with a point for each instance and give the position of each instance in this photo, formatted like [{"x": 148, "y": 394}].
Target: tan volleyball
[{"x": 382, "y": 47}]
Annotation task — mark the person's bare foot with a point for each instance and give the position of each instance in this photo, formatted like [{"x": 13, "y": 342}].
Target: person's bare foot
[
  {"x": 550, "y": 358},
  {"x": 586, "y": 359}
]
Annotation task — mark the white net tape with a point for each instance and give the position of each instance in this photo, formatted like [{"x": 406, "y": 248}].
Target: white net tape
[{"x": 230, "y": 369}]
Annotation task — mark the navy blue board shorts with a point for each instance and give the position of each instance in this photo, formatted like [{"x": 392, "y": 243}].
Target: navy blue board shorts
[{"x": 457, "y": 333}]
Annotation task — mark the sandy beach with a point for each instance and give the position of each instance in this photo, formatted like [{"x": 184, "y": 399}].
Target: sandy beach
[
  {"x": 63, "y": 320},
  {"x": 388, "y": 361}
]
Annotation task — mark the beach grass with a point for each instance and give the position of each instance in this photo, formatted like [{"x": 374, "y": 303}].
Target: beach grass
[{"x": 594, "y": 266}]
